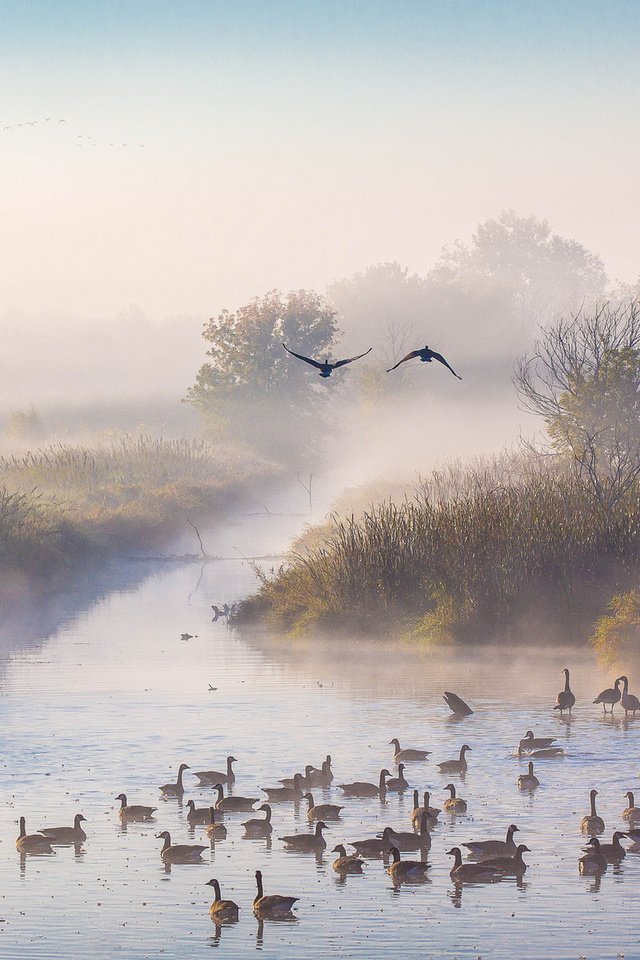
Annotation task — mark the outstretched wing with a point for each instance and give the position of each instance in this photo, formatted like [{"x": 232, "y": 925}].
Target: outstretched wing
[
  {"x": 409, "y": 356},
  {"x": 314, "y": 363},
  {"x": 341, "y": 363},
  {"x": 441, "y": 359}
]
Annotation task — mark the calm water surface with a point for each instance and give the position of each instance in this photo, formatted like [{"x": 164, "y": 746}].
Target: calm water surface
[{"x": 115, "y": 701}]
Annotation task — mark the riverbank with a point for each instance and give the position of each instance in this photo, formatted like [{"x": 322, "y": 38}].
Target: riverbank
[{"x": 66, "y": 509}]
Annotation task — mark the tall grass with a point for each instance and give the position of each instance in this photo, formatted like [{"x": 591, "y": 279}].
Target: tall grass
[{"x": 474, "y": 550}]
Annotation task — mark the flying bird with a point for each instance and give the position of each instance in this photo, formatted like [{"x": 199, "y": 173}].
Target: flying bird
[
  {"x": 426, "y": 355},
  {"x": 326, "y": 368}
]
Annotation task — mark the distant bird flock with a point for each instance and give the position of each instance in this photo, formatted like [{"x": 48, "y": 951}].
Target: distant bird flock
[{"x": 487, "y": 859}]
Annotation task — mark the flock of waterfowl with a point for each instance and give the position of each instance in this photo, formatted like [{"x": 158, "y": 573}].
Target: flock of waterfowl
[{"x": 487, "y": 859}]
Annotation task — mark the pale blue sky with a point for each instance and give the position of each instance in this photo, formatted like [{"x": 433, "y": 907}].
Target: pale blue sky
[{"x": 288, "y": 143}]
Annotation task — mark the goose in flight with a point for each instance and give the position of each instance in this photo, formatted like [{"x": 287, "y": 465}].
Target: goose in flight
[
  {"x": 426, "y": 355},
  {"x": 326, "y": 368}
]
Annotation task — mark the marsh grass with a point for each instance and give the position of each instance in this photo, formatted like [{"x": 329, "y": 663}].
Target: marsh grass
[{"x": 474, "y": 551}]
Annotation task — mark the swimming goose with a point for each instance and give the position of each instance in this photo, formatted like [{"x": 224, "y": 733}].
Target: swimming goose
[
  {"x": 426, "y": 356},
  {"x": 323, "y": 776},
  {"x": 455, "y": 766},
  {"x": 591, "y": 822},
  {"x": 326, "y": 367},
  {"x": 565, "y": 699},
  {"x": 74, "y": 834},
  {"x": 273, "y": 905},
  {"x": 609, "y": 696},
  {"x": 417, "y": 811},
  {"x": 406, "y": 869},
  {"x": 233, "y": 804},
  {"x": 456, "y": 704},
  {"x": 197, "y": 814},
  {"x": 593, "y": 861},
  {"x": 528, "y": 781},
  {"x": 409, "y": 841},
  {"x": 283, "y": 794},
  {"x": 397, "y": 784},
  {"x": 181, "y": 852},
  {"x": 509, "y": 866},
  {"x": 631, "y": 812},
  {"x": 257, "y": 827},
  {"x": 321, "y": 811},
  {"x": 221, "y": 910},
  {"x": 209, "y": 777},
  {"x": 467, "y": 872},
  {"x": 305, "y": 778},
  {"x": 408, "y": 754},
  {"x": 32, "y": 842},
  {"x": 214, "y": 829},
  {"x": 529, "y": 742},
  {"x": 363, "y": 789},
  {"x": 346, "y": 863},
  {"x": 135, "y": 811},
  {"x": 175, "y": 789},
  {"x": 486, "y": 849},
  {"x": 612, "y": 852},
  {"x": 374, "y": 847},
  {"x": 454, "y": 804},
  {"x": 541, "y": 754},
  {"x": 307, "y": 842},
  {"x": 628, "y": 700}
]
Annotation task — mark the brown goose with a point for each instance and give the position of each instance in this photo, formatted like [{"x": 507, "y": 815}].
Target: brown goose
[
  {"x": 375, "y": 847},
  {"x": 363, "y": 789},
  {"x": 456, "y": 766},
  {"x": 304, "y": 778},
  {"x": 486, "y": 849},
  {"x": 628, "y": 700},
  {"x": 32, "y": 842},
  {"x": 214, "y": 829},
  {"x": 326, "y": 367},
  {"x": 321, "y": 811},
  {"x": 209, "y": 777},
  {"x": 221, "y": 910},
  {"x": 271, "y": 906},
  {"x": 454, "y": 804},
  {"x": 408, "y": 841},
  {"x": 324, "y": 776},
  {"x": 528, "y": 781},
  {"x": 406, "y": 869},
  {"x": 417, "y": 811},
  {"x": 408, "y": 754},
  {"x": 468, "y": 872},
  {"x": 426, "y": 355},
  {"x": 135, "y": 811},
  {"x": 197, "y": 814},
  {"x": 397, "y": 784},
  {"x": 509, "y": 866},
  {"x": 592, "y": 861},
  {"x": 175, "y": 789},
  {"x": 631, "y": 812},
  {"x": 456, "y": 704},
  {"x": 284, "y": 794},
  {"x": 346, "y": 863},
  {"x": 180, "y": 853},
  {"x": 74, "y": 834},
  {"x": 565, "y": 699},
  {"x": 257, "y": 827},
  {"x": 529, "y": 742},
  {"x": 233, "y": 804},
  {"x": 307, "y": 842},
  {"x": 613, "y": 852},
  {"x": 610, "y": 696},
  {"x": 592, "y": 823}
]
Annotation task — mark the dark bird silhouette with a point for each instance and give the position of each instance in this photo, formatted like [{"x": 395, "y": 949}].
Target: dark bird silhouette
[
  {"x": 326, "y": 368},
  {"x": 426, "y": 355}
]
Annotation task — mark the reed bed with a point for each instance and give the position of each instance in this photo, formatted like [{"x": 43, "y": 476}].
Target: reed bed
[{"x": 473, "y": 551}]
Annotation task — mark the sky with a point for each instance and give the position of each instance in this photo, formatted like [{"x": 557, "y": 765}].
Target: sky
[{"x": 286, "y": 144}]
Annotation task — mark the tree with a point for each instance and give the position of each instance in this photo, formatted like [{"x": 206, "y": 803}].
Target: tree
[
  {"x": 584, "y": 380},
  {"x": 250, "y": 385}
]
